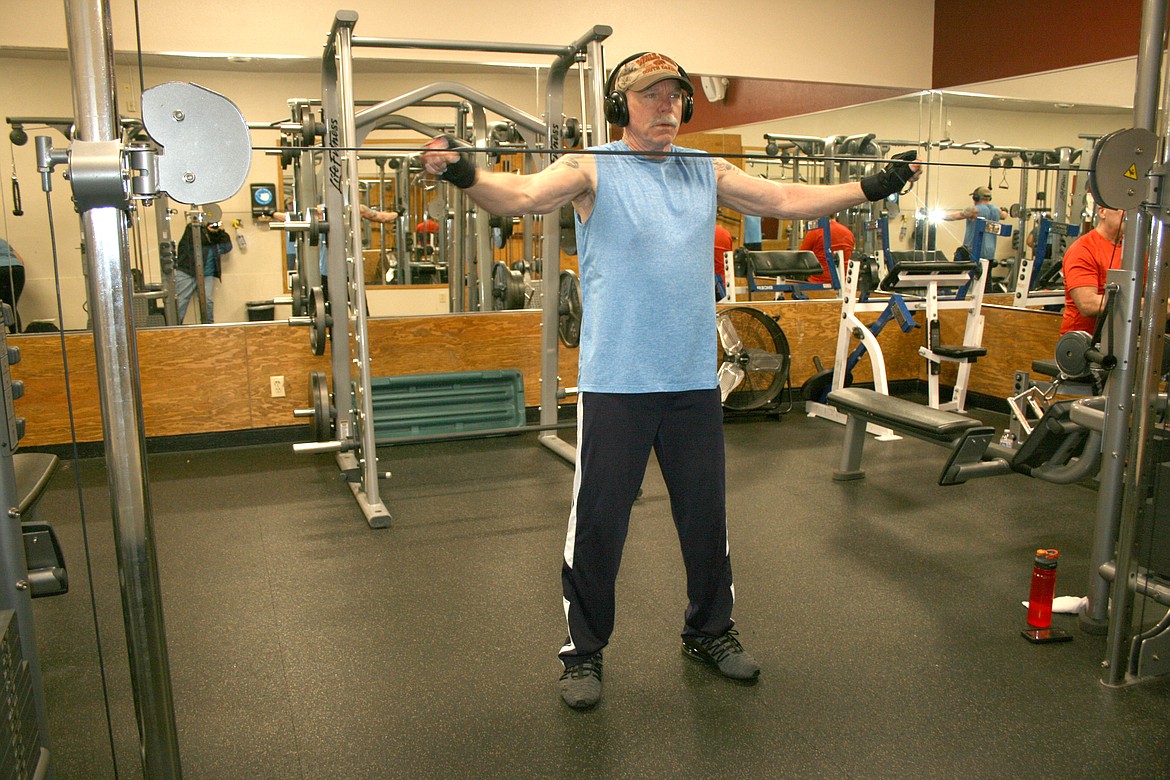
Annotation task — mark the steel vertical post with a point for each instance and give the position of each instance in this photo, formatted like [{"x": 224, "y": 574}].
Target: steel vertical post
[{"x": 91, "y": 55}]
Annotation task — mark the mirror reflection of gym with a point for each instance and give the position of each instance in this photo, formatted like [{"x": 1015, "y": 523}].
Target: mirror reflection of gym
[{"x": 259, "y": 274}]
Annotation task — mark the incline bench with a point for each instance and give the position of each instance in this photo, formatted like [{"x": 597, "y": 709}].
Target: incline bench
[{"x": 967, "y": 438}]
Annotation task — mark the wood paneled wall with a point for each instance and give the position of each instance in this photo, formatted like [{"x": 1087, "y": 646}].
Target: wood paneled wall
[
  {"x": 1013, "y": 337},
  {"x": 215, "y": 378}
]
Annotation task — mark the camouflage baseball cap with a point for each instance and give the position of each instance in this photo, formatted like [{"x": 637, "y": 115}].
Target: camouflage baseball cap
[{"x": 647, "y": 70}]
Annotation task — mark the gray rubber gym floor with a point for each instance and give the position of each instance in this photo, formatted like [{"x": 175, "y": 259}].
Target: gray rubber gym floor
[{"x": 885, "y": 614}]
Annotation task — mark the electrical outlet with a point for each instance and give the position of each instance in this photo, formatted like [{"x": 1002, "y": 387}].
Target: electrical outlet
[{"x": 276, "y": 383}]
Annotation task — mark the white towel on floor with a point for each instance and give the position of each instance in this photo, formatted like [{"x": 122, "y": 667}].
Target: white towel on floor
[{"x": 1066, "y": 605}]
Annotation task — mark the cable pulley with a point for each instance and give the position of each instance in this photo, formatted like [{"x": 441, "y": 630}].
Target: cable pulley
[{"x": 1120, "y": 168}]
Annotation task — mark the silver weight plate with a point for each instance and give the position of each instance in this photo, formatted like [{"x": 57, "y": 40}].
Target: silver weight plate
[{"x": 1120, "y": 166}]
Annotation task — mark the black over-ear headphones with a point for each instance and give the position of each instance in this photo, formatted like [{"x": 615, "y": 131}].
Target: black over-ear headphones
[{"x": 617, "y": 110}]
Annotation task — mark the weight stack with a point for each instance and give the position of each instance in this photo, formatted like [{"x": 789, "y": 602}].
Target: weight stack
[{"x": 20, "y": 737}]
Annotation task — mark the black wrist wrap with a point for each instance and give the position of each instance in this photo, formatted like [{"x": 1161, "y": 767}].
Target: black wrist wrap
[
  {"x": 890, "y": 179},
  {"x": 461, "y": 173}
]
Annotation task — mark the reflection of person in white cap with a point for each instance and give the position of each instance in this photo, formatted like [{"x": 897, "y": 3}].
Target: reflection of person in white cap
[
  {"x": 981, "y": 207},
  {"x": 648, "y": 379}
]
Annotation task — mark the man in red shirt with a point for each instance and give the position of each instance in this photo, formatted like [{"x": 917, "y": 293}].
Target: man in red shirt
[
  {"x": 840, "y": 239},
  {"x": 1085, "y": 265},
  {"x": 723, "y": 243}
]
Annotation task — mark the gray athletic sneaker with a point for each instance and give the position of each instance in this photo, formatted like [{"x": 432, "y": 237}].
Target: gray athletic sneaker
[
  {"x": 725, "y": 653},
  {"x": 581, "y": 683}
]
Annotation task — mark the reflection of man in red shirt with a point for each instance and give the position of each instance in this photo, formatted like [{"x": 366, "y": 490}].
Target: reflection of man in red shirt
[
  {"x": 424, "y": 232},
  {"x": 723, "y": 244},
  {"x": 840, "y": 239},
  {"x": 1085, "y": 265}
]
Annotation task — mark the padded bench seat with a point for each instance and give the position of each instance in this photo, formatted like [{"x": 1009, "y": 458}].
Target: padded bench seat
[
  {"x": 33, "y": 471},
  {"x": 910, "y": 418},
  {"x": 1052, "y": 369},
  {"x": 960, "y": 352},
  {"x": 44, "y": 559},
  {"x": 911, "y": 272},
  {"x": 935, "y": 256},
  {"x": 799, "y": 264},
  {"x": 967, "y": 438}
]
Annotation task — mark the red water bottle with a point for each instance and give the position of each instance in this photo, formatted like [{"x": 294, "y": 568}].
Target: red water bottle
[{"x": 1043, "y": 588}]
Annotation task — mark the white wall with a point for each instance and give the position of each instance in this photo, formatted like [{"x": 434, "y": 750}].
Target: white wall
[{"x": 757, "y": 38}]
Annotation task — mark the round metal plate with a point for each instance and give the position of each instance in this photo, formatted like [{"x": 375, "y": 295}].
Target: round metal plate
[
  {"x": 1120, "y": 166},
  {"x": 501, "y": 231},
  {"x": 298, "y": 296},
  {"x": 507, "y": 288},
  {"x": 569, "y": 306},
  {"x": 568, "y": 231},
  {"x": 571, "y": 132},
  {"x": 318, "y": 321},
  {"x": 322, "y": 423},
  {"x": 499, "y": 285},
  {"x": 1071, "y": 353},
  {"x": 817, "y": 386}
]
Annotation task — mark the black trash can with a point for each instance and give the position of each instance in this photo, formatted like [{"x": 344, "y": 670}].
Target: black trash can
[{"x": 261, "y": 311}]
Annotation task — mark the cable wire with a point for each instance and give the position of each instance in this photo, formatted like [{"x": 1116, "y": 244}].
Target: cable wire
[
  {"x": 502, "y": 150},
  {"x": 138, "y": 43}
]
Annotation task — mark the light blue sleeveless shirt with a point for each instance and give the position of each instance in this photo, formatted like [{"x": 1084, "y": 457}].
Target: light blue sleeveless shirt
[
  {"x": 991, "y": 214},
  {"x": 752, "y": 229},
  {"x": 647, "y": 286}
]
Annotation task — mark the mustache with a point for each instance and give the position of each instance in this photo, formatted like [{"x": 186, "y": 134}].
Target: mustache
[{"x": 667, "y": 121}]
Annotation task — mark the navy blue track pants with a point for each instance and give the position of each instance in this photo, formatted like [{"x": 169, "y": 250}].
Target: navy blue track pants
[{"x": 615, "y": 433}]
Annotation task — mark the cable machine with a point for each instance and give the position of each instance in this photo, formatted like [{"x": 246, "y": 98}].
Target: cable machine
[
  {"x": 1129, "y": 167},
  {"x": 350, "y": 406}
]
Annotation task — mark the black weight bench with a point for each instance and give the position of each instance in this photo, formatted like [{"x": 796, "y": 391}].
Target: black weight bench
[
  {"x": 792, "y": 265},
  {"x": 910, "y": 271},
  {"x": 46, "y": 564},
  {"x": 968, "y": 438},
  {"x": 798, "y": 264}
]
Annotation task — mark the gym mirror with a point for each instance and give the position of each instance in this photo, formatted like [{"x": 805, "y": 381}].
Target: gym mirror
[{"x": 255, "y": 270}]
